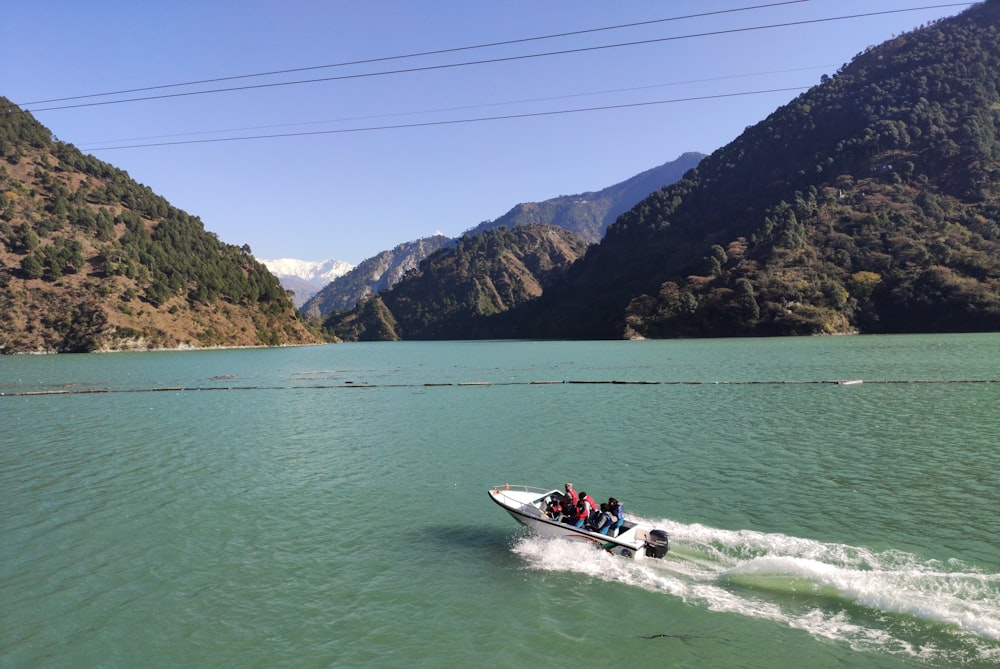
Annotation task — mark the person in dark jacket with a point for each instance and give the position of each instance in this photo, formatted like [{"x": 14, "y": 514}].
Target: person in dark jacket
[
  {"x": 617, "y": 516},
  {"x": 601, "y": 520},
  {"x": 555, "y": 507}
]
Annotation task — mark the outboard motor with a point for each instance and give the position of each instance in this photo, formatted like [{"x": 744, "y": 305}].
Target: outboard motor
[{"x": 657, "y": 544}]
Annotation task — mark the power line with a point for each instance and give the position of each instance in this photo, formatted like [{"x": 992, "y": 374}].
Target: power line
[
  {"x": 498, "y": 60},
  {"x": 426, "y": 124},
  {"x": 461, "y": 107},
  {"x": 419, "y": 54}
]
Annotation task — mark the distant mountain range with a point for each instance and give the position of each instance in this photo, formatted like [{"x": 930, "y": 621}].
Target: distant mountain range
[
  {"x": 477, "y": 275},
  {"x": 305, "y": 278},
  {"x": 375, "y": 274},
  {"x": 587, "y": 215}
]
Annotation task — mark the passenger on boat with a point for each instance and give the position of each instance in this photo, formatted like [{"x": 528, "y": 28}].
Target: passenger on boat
[
  {"x": 601, "y": 521},
  {"x": 578, "y": 516},
  {"x": 617, "y": 516},
  {"x": 591, "y": 504},
  {"x": 570, "y": 496},
  {"x": 554, "y": 509}
]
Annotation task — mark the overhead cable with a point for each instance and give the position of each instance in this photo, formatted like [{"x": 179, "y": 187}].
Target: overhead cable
[
  {"x": 459, "y": 107},
  {"x": 494, "y": 60},
  {"x": 435, "y": 52},
  {"x": 446, "y": 122}
]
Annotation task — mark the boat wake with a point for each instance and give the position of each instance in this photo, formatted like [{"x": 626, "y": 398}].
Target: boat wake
[{"x": 889, "y": 601}]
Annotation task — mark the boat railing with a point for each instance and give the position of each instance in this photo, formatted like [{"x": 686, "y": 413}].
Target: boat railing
[
  {"x": 540, "y": 493},
  {"x": 521, "y": 488}
]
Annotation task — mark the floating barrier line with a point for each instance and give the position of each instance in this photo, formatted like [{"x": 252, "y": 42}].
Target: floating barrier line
[{"x": 481, "y": 384}]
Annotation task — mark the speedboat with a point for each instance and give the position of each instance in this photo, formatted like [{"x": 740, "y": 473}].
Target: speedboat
[{"x": 527, "y": 506}]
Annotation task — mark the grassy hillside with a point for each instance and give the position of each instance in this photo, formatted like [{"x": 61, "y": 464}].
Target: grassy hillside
[{"x": 91, "y": 260}]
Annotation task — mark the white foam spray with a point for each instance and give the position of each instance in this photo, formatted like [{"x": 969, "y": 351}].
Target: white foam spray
[{"x": 832, "y": 591}]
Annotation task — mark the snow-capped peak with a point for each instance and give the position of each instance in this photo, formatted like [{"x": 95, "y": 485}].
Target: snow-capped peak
[{"x": 319, "y": 272}]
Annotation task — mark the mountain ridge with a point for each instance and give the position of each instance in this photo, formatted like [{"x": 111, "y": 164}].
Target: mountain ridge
[
  {"x": 586, "y": 214},
  {"x": 91, "y": 260},
  {"x": 372, "y": 275},
  {"x": 323, "y": 271},
  {"x": 305, "y": 278},
  {"x": 589, "y": 214},
  {"x": 869, "y": 203},
  {"x": 866, "y": 204},
  {"x": 481, "y": 274}
]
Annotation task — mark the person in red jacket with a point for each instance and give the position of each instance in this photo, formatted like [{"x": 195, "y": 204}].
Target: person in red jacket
[
  {"x": 570, "y": 496},
  {"x": 591, "y": 505},
  {"x": 579, "y": 515},
  {"x": 589, "y": 501}
]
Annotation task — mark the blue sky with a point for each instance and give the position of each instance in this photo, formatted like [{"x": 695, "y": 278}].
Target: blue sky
[{"x": 349, "y": 194}]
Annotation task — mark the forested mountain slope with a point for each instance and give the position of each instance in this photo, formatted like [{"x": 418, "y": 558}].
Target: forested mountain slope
[
  {"x": 372, "y": 275},
  {"x": 91, "y": 260},
  {"x": 869, "y": 203},
  {"x": 587, "y": 215},
  {"x": 457, "y": 289}
]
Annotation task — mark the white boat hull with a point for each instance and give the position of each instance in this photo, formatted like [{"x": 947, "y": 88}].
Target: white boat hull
[{"x": 525, "y": 505}]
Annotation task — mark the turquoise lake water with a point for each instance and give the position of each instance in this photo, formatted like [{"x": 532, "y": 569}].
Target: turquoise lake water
[{"x": 327, "y": 506}]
